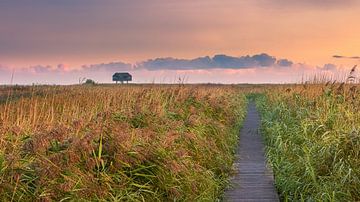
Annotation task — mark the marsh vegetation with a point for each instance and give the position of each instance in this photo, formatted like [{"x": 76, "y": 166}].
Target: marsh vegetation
[
  {"x": 174, "y": 142},
  {"x": 119, "y": 143}
]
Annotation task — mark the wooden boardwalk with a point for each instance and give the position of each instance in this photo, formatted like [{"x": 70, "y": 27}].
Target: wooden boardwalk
[{"x": 253, "y": 180}]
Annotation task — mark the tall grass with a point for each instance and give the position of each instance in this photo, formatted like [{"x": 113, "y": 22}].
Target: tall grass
[
  {"x": 123, "y": 143},
  {"x": 313, "y": 140}
]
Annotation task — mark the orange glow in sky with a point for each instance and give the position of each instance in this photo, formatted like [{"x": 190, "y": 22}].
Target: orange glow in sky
[{"x": 85, "y": 32}]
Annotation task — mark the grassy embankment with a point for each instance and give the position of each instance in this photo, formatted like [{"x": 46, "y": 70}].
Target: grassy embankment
[
  {"x": 313, "y": 140},
  {"x": 119, "y": 143}
]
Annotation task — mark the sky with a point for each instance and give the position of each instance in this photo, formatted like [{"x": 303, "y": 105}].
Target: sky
[{"x": 201, "y": 41}]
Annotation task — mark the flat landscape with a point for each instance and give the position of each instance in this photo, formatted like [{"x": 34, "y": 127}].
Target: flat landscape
[
  {"x": 179, "y": 100},
  {"x": 174, "y": 142}
]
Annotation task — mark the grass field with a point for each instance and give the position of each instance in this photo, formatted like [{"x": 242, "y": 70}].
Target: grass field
[
  {"x": 313, "y": 137},
  {"x": 118, "y": 143},
  {"x": 174, "y": 142}
]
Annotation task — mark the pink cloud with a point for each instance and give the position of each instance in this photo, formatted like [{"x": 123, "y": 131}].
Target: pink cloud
[
  {"x": 63, "y": 68},
  {"x": 65, "y": 74}
]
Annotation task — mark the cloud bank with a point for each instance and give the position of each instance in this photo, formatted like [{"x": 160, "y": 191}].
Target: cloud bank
[
  {"x": 216, "y": 69},
  {"x": 216, "y": 62},
  {"x": 220, "y": 61}
]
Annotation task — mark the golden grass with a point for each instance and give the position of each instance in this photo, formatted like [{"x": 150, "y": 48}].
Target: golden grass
[{"x": 119, "y": 142}]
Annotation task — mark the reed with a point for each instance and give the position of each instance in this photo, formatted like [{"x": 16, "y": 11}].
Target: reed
[
  {"x": 312, "y": 132},
  {"x": 118, "y": 143}
]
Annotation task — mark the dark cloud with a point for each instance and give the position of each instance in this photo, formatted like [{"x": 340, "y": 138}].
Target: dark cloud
[
  {"x": 346, "y": 57},
  {"x": 112, "y": 67},
  {"x": 176, "y": 64},
  {"x": 169, "y": 63},
  {"x": 264, "y": 60},
  {"x": 261, "y": 60},
  {"x": 284, "y": 63},
  {"x": 218, "y": 61}
]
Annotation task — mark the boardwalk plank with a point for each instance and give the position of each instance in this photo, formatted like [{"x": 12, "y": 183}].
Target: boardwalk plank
[{"x": 252, "y": 180}]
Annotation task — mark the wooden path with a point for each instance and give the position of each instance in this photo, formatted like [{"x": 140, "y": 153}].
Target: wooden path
[{"x": 253, "y": 181}]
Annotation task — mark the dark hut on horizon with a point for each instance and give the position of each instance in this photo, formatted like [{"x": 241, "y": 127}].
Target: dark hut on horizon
[{"x": 122, "y": 77}]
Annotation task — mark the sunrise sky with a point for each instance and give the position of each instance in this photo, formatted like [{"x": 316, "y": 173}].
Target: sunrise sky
[{"x": 217, "y": 41}]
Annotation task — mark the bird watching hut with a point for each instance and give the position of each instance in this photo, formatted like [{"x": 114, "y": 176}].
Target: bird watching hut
[{"x": 122, "y": 77}]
